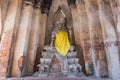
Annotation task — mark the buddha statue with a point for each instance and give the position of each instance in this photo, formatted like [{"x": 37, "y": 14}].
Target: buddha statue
[
  {"x": 59, "y": 58},
  {"x": 61, "y": 43}
]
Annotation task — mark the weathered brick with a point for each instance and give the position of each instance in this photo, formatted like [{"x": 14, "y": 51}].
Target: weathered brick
[{"x": 7, "y": 37}]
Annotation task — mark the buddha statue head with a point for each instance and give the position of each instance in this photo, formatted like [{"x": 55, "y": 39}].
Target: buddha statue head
[{"x": 59, "y": 19}]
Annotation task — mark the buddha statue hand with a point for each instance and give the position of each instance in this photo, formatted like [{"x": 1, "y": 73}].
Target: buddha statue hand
[{"x": 52, "y": 40}]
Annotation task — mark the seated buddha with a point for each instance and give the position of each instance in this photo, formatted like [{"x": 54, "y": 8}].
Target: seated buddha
[
  {"x": 60, "y": 39},
  {"x": 59, "y": 58}
]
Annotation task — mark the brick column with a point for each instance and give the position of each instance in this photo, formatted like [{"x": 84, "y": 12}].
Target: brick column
[
  {"x": 114, "y": 7},
  {"x": 9, "y": 35},
  {"x": 82, "y": 35},
  {"x": 110, "y": 38},
  {"x": 41, "y": 38},
  {"x": 34, "y": 38},
  {"x": 18, "y": 66},
  {"x": 118, "y": 20},
  {"x": 0, "y": 20},
  {"x": 96, "y": 39},
  {"x": 4, "y": 9}
]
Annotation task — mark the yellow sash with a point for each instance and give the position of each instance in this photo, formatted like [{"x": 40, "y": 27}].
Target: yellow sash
[{"x": 62, "y": 43}]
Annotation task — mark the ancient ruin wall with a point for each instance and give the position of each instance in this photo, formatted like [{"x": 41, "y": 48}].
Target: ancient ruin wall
[{"x": 25, "y": 25}]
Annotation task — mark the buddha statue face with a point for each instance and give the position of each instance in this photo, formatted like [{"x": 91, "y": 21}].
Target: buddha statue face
[{"x": 60, "y": 23}]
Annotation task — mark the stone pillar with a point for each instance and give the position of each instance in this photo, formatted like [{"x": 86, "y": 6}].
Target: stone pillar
[
  {"x": 118, "y": 24},
  {"x": 118, "y": 20},
  {"x": 81, "y": 32},
  {"x": 8, "y": 35},
  {"x": 0, "y": 20},
  {"x": 18, "y": 66},
  {"x": 114, "y": 7},
  {"x": 42, "y": 31},
  {"x": 4, "y": 9},
  {"x": 96, "y": 39},
  {"x": 34, "y": 39},
  {"x": 110, "y": 38}
]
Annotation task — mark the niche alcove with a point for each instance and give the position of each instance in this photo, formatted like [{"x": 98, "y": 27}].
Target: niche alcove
[{"x": 59, "y": 59}]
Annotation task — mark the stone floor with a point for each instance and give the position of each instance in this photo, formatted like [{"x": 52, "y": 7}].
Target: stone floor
[
  {"x": 32, "y": 78},
  {"x": 60, "y": 78}
]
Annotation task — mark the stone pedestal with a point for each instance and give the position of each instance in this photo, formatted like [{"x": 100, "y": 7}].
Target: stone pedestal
[{"x": 52, "y": 66}]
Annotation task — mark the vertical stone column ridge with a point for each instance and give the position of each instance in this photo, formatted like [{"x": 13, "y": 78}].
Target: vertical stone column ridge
[
  {"x": 82, "y": 35},
  {"x": 0, "y": 20},
  {"x": 96, "y": 39},
  {"x": 118, "y": 23},
  {"x": 77, "y": 33},
  {"x": 4, "y": 9},
  {"x": 42, "y": 29},
  {"x": 114, "y": 8},
  {"x": 118, "y": 20},
  {"x": 19, "y": 58},
  {"x": 8, "y": 35},
  {"x": 4, "y": 4},
  {"x": 34, "y": 39},
  {"x": 110, "y": 38}
]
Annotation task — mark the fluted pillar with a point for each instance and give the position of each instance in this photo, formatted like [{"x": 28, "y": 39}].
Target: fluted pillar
[
  {"x": 19, "y": 63},
  {"x": 8, "y": 36},
  {"x": 96, "y": 39},
  {"x": 0, "y": 20},
  {"x": 4, "y": 9},
  {"x": 34, "y": 38},
  {"x": 118, "y": 24},
  {"x": 118, "y": 20},
  {"x": 43, "y": 20},
  {"x": 114, "y": 8},
  {"x": 42, "y": 30},
  {"x": 110, "y": 38},
  {"x": 82, "y": 35}
]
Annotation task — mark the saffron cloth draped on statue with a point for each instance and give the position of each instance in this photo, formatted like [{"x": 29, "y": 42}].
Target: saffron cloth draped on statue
[{"x": 62, "y": 43}]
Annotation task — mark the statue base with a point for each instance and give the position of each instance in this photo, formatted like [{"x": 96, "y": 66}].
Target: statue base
[{"x": 53, "y": 65}]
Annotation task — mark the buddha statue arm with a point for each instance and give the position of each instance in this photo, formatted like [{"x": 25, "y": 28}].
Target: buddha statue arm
[
  {"x": 52, "y": 39},
  {"x": 53, "y": 35},
  {"x": 70, "y": 36}
]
